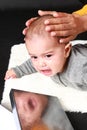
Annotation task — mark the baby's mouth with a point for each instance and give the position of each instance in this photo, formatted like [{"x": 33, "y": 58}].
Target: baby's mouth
[
  {"x": 32, "y": 103},
  {"x": 46, "y": 72}
]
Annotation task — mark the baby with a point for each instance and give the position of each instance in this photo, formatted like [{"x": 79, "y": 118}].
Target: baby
[
  {"x": 65, "y": 64},
  {"x": 30, "y": 107}
]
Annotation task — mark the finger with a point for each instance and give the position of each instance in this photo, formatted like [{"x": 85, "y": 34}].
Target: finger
[
  {"x": 64, "y": 33},
  {"x": 67, "y": 39},
  {"x": 41, "y": 12},
  {"x": 61, "y": 14},
  {"x": 25, "y": 31},
  {"x": 59, "y": 27},
  {"x": 6, "y": 77},
  {"x": 28, "y": 22},
  {"x": 54, "y": 13},
  {"x": 61, "y": 20},
  {"x": 60, "y": 33}
]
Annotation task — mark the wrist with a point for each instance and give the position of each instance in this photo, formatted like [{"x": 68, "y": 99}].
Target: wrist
[
  {"x": 84, "y": 22},
  {"x": 81, "y": 22}
]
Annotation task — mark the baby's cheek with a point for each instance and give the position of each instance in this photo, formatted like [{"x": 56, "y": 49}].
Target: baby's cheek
[{"x": 35, "y": 65}]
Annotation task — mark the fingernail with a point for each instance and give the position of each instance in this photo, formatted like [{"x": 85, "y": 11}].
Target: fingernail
[
  {"x": 53, "y": 34},
  {"x": 61, "y": 41},
  {"x": 55, "y": 15},
  {"x": 47, "y": 28},
  {"x": 39, "y": 11},
  {"x": 46, "y": 22}
]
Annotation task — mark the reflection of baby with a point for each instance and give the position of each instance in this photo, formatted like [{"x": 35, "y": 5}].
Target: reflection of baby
[
  {"x": 30, "y": 109},
  {"x": 40, "y": 112}
]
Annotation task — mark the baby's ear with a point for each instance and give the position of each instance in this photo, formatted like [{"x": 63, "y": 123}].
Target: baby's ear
[{"x": 67, "y": 49}]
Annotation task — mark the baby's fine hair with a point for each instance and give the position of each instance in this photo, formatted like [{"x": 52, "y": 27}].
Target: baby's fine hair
[{"x": 38, "y": 27}]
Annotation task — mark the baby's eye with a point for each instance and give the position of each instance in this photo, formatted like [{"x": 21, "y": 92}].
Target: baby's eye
[
  {"x": 33, "y": 57},
  {"x": 48, "y": 56}
]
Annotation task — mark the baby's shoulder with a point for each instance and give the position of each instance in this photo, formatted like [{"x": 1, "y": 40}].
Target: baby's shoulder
[{"x": 80, "y": 50}]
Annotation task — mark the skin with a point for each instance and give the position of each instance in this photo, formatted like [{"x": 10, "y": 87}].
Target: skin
[
  {"x": 10, "y": 74},
  {"x": 46, "y": 54},
  {"x": 65, "y": 25},
  {"x": 30, "y": 108}
]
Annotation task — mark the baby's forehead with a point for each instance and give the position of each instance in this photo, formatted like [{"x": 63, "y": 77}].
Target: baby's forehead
[
  {"x": 44, "y": 35},
  {"x": 44, "y": 39}
]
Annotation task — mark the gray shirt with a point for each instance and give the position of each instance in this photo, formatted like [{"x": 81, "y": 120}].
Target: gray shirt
[{"x": 75, "y": 74}]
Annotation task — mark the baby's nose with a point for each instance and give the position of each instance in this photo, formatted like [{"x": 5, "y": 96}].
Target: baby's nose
[{"x": 42, "y": 63}]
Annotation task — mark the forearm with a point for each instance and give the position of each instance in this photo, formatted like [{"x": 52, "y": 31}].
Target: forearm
[
  {"x": 24, "y": 69},
  {"x": 84, "y": 21},
  {"x": 82, "y": 18}
]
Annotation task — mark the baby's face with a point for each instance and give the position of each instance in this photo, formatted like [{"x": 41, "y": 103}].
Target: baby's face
[{"x": 47, "y": 55}]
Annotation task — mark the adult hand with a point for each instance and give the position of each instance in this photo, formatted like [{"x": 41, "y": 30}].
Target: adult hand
[{"x": 67, "y": 26}]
